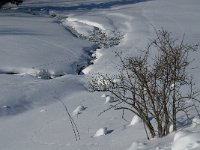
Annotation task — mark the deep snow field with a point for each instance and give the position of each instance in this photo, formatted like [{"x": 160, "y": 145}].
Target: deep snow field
[{"x": 48, "y": 53}]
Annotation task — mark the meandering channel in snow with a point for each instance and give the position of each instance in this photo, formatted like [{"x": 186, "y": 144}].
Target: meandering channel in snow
[{"x": 31, "y": 114}]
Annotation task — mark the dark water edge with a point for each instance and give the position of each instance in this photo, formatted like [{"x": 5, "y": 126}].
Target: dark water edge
[{"x": 46, "y": 7}]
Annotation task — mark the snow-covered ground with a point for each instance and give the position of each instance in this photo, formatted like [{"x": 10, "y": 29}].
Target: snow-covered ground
[{"x": 44, "y": 44}]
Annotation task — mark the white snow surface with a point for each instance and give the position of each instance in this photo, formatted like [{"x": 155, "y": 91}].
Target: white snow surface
[
  {"x": 196, "y": 121},
  {"x": 32, "y": 116},
  {"x": 186, "y": 140},
  {"x": 137, "y": 146}
]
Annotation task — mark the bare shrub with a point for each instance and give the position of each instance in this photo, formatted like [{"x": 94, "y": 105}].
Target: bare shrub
[{"x": 156, "y": 89}]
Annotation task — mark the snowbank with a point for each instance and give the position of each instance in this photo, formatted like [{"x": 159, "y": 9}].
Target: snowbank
[
  {"x": 101, "y": 132},
  {"x": 186, "y": 140},
  {"x": 137, "y": 146}
]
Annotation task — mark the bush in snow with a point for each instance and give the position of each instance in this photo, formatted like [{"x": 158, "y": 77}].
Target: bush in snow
[
  {"x": 99, "y": 37},
  {"x": 103, "y": 40},
  {"x": 155, "y": 89},
  {"x": 44, "y": 74}
]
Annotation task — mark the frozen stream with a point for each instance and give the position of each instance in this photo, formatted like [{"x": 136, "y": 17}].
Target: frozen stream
[
  {"x": 36, "y": 46},
  {"x": 53, "y": 39}
]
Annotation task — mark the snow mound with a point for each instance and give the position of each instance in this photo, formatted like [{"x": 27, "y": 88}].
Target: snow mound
[
  {"x": 195, "y": 121},
  {"x": 81, "y": 26},
  {"x": 181, "y": 134},
  {"x": 186, "y": 140},
  {"x": 87, "y": 70},
  {"x": 103, "y": 95},
  {"x": 101, "y": 132},
  {"x": 137, "y": 146},
  {"x": 87, "y": 22},
  {"x": 43, "y": 110},
  {"x": 79, "y": 110},
  {"x": 171, "y": 128},
  {"x": 135, "y": 120},
  {"x": 110, "y": 99}
]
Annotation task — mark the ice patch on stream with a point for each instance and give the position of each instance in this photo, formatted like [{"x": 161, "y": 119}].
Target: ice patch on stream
[{"x": 37, "y": 73}]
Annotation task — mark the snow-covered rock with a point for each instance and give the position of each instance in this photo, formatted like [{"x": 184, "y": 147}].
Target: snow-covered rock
[
  {"x": 79, "y": 110},
  {"x": 101, "y": 132},
  {"x": 52, "y": 13},
  {"x": 103, "y": 95},
  {"x": 110, "y": 99},
  {"x": 135, "y": 120}
]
